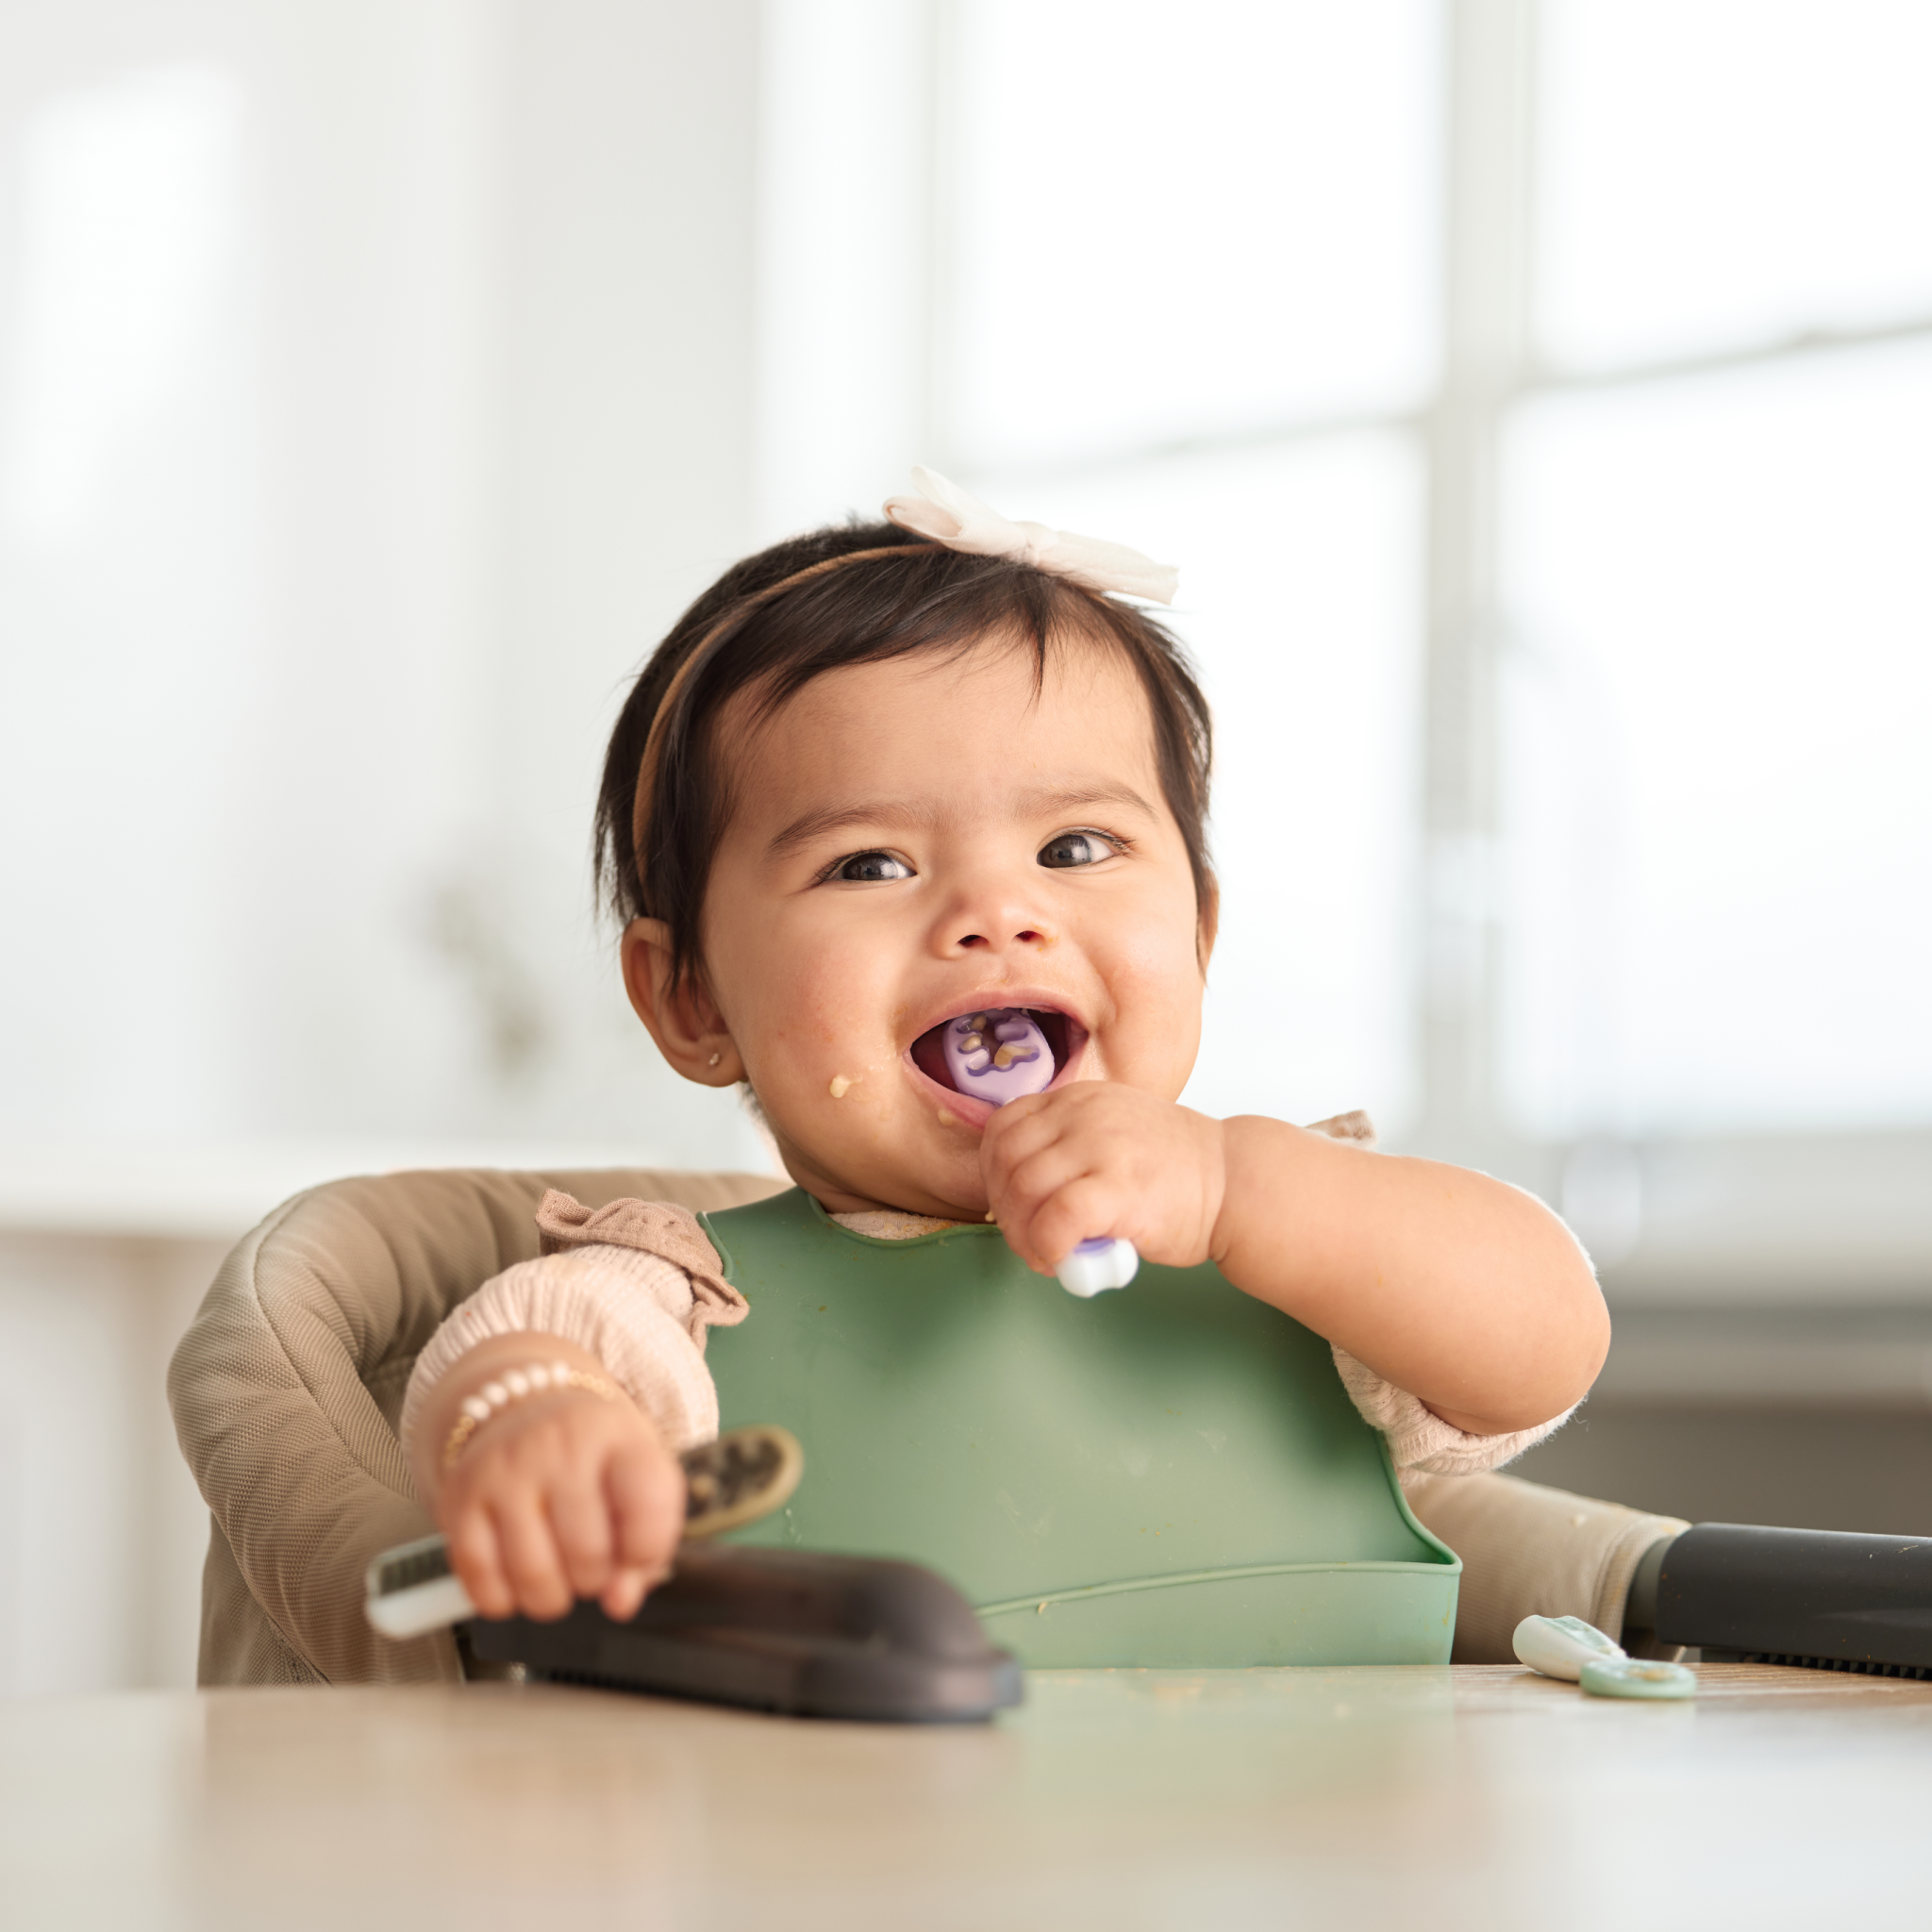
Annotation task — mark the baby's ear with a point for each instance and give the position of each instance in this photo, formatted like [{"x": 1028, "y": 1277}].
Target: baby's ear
[{"x": 681, "y": 1015}]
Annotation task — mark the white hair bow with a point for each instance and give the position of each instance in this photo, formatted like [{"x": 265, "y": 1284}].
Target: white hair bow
[{"x": 943, "y": 513}]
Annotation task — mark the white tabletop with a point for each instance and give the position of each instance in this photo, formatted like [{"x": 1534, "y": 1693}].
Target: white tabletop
[{"x": 1360, "y": 1798}]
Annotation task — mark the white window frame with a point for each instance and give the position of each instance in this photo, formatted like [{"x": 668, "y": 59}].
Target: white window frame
[{"x": 1823, "y": 1219}]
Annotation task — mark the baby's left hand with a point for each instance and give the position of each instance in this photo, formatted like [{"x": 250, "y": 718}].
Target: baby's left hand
[{"x": 1094, "y": 1159}]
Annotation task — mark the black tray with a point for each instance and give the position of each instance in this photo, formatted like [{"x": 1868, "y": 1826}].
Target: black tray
[{"x": 794, "y": 1631}]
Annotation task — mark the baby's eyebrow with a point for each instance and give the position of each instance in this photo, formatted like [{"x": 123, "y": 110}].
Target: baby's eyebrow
[
  {"x": 922, "y": 814},
  {"x": 882, "y": 812},
  {"x": 1054, "y": 800}
]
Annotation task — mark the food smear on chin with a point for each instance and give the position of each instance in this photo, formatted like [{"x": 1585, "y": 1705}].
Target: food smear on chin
[{"x": 999, "y": 1054}]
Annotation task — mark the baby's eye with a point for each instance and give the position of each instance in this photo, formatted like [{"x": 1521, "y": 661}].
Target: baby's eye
[
  {"x": 1077, "y": 848},
  {"x": 866, "y": 867}
]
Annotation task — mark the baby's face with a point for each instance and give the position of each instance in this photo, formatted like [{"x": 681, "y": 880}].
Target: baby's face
[{"x": 920, "y": 840}]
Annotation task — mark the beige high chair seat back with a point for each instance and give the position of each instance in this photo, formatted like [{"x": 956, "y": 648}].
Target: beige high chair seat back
[{"x": 287, "y": 1388}]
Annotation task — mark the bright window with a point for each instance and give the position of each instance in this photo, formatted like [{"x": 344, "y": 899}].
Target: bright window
[
  {"x": 1537, "y": 398},
  {"x": 1167, "y": 224},
  {"x": 1719, "y": 797}
]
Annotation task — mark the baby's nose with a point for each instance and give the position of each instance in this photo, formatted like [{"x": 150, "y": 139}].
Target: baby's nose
[
  {"x": 1016, "y": 936},
  {"x": 990, "y": 921},
  {"x": 994, "y": 907}
]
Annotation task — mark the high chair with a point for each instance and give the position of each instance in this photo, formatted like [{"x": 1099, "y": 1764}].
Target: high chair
[{"x": 288, "y": 1389}]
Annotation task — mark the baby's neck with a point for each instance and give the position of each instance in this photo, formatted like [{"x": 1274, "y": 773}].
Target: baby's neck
[
  {"x": 893, "y": 1224},
  {"x": 834, "y": 1193}
]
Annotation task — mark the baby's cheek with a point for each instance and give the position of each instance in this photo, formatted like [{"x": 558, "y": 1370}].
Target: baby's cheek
[
  {"x": 818, "y": 1094},
  {"x": 1156, "y": 1037}
]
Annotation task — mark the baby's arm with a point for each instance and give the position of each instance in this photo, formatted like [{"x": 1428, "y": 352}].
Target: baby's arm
[
  {"x": 574, "y": 1491},
  {"x": 566, "y": 1493},
  {"x": 1465, "y": 1291}
]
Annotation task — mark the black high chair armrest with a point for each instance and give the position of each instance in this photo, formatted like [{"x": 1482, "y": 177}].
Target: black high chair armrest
[{"x": 1828, "y": 1599}]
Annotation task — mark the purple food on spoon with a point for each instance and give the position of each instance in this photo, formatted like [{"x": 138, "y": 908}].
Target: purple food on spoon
[{"x": 1000, "y": 1054}]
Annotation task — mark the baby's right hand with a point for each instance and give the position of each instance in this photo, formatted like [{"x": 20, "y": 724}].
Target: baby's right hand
[{"x": 562, "y": 1496}]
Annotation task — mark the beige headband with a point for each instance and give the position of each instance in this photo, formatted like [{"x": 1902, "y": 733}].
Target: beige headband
[
  {"x": 654, "y": 744},
  {"x": 949, "y": 519}
]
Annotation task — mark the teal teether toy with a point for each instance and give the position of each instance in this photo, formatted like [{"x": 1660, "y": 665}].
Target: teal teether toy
[
  {"x": 1560, "y": 1647},
  {"x": 1631, "y": 1676}
]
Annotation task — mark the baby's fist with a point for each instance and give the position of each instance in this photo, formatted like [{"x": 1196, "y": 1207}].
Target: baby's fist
[
  {"x": 1095, "y": 1158},
  {"x": 566, "y": 1493}
]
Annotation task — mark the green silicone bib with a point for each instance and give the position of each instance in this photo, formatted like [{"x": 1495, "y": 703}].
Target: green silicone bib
[{"x": 1171, "y": 1474}]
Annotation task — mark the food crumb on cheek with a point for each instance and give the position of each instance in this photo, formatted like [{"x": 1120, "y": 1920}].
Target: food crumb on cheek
[{"x": 840, "y": 1085}]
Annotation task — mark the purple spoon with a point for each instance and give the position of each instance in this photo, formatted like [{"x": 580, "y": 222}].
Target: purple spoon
[{"x": 1000, "y": 1054}]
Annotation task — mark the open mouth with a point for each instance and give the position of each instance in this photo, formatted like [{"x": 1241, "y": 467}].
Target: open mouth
[{"x": 1063, "y": 1035}]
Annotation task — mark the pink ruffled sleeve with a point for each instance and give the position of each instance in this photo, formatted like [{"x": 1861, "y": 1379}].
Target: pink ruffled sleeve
[
  {"x": 635, "y": 1284},
  {"x": 1420, "y": 1442}
]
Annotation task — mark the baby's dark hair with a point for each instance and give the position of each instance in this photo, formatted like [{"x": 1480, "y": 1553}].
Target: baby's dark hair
[{"x": 916, "y": 597}]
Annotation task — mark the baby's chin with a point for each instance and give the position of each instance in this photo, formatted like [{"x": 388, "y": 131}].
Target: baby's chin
[{"x": 946, "y": 1185}]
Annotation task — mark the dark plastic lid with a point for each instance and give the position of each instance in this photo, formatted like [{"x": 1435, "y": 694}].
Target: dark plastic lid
[{"x": 795, "y": 1631}]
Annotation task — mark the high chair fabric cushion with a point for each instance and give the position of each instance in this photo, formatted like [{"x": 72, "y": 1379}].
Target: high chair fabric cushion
[
  {"x": 288, "y": 1384},
  {"x": 1528, "y": 1551}
]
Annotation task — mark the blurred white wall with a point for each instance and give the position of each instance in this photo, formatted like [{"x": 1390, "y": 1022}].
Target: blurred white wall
[{"x": 377, "y": 383}]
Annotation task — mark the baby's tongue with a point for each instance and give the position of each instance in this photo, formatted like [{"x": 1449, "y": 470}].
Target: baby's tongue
[{"x": 997, "y": 1055}]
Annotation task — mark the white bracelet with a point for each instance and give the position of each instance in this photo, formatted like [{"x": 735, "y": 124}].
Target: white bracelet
[{"x": 512, "y": 1385}]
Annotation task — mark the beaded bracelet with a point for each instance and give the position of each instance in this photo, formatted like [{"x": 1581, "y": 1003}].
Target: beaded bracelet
[{"x": 513, "y": 1386}]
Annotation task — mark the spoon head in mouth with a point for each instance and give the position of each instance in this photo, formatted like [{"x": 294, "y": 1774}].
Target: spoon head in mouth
[{"x": 995, "y": 1054}]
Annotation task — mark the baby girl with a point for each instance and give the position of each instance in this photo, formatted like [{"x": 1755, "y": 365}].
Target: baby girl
[{"x": 939, "y": 772}]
